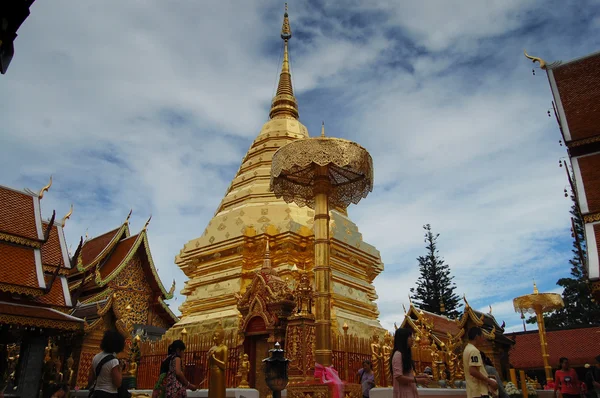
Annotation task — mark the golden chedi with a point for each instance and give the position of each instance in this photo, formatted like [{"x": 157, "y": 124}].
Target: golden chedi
[{"x": 222, "y": 262}]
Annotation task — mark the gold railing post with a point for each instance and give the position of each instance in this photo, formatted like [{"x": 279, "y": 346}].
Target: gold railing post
[{"x": 346, "y": 355}]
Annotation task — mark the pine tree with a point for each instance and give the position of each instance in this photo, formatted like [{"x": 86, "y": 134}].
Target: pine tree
[
  {"x": 435, "y": 288},
  {"x": 579, "y": 309}
]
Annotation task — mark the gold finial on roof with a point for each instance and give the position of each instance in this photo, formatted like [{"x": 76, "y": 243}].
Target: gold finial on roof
[
  {"x": 45, "y": 189},
  {"x": 284, "y": 103},
  {"x": 86, "y": 235},
  {"x": 403, "y": 307},
  {"x": 466, "y": 302},
  {"x": 490, "y": 310},
  {"x": 67, "y": 216},
  {"x": 147, "y": 222},
  {"x": 172, "y": 290},
  {"x": 409, "y": 300},
  {"x": 323, "y": 129},
  {"x": 536, "y": 59},
  {"x": 535, "y": 289},
  {"x": 129, "y": 216}
]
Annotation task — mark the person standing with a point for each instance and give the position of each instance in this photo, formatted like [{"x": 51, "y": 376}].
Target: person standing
[
  {"x": 105, "y": 373},
  {"x": 493, "y": 373},
  {"x": 366, "y": 378},
  {"x": 566, "y": 380},
  {"x": 402, "y": 366},
  {"x": 478, "y": 381},
  {"x": 592, "y": 380}
]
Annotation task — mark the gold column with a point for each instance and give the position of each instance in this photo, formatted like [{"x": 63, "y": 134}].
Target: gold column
[
  {"x": 543, "y": 343},
  {"x": 322, "y": 269}
]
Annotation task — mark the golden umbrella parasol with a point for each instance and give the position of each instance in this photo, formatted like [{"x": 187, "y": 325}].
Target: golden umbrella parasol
[
  {"x": 322, "y": 172},
  {"x": 538, "y": 304}
]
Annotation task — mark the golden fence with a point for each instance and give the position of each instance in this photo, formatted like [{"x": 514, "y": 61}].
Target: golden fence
[{"x": 195, "y": 360}]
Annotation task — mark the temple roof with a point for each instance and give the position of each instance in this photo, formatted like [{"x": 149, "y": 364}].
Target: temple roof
[
  {"x": 28, "y": 315},
  {"x": 20, "y": 214},
  {"x": 33, "y": 252},
  {"x": 580, "y": 345},
  {"x": 102, "y": 259}
]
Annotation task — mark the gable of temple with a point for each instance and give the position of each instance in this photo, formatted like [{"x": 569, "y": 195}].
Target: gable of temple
[
  {"x": 118, "y": 267},
  {"x": 441, "y": 339},
  {"x": 116, "y": 286}
]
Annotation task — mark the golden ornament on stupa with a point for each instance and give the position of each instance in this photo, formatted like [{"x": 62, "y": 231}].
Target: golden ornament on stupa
[
  {"x": 322, "y": 173},
  {"x": 540, "y": 303}
]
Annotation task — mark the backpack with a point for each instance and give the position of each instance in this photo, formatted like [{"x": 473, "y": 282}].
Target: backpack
[{"x": 122, "y": 392}]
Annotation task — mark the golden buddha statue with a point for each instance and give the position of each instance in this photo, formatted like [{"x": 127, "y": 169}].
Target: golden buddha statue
[
  {"x": 386, "y": 351},
  {"x": 243, "y": 372},
  {"x": 375, "y": 356},
  {"x": 70, "y": 372},
  {"x": 217, "y": 363}
]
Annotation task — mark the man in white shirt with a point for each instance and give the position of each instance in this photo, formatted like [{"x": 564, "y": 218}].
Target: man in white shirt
[{"x": 478, "y": 382}]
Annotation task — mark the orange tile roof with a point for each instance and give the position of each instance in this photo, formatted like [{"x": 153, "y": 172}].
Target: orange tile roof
[
  {"x": 579, "y": 345},
  {"x": 442, "y": 324},
  {"x": 17, "y": 266},
  {"x": 28, "y": 315},
  {"x": 56, "y": 296},
  {"x": 51, "y": 251},
  {"x": 117, "y": 255},
  {"x": 578, "y": 83},
  {"x": 17, "y": 214},
  {"x": 93, "y": 247}
]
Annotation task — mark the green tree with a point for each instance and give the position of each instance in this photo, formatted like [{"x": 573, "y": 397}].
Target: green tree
[
  {"x": 435, "y": 287},
  {"x": 580, "y": 308}
]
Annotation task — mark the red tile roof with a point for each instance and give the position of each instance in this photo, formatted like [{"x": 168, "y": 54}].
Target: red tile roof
[
  {"x": 56, "y": 296},
  {"x": 17, "y": 266},
  {"x": 117, "y": 255},
  {"x": 579, "y": 345},
  {"x": 51, "y": 251},
  {"x": 17, "y": 214},
  {"x": 93, "y": 247},
  {"x": 578, "y": 83},
  {"x": 442, "y": 324}
]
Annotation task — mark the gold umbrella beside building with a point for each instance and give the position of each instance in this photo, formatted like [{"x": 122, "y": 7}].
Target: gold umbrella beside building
[
  {"x": 540, "y": 303},
  {"x": 322, "y": 173}
]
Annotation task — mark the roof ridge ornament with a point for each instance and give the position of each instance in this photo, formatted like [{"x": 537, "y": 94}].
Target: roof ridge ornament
[
  {"x": 147, "y": 223},
  {"x": 542, "y": 63},
  {"x": 67, "y": 216},
  {"x": 45, "y": 188},
  {"x": 323, "y": 129},
  {"x": 129, "y": 216}
]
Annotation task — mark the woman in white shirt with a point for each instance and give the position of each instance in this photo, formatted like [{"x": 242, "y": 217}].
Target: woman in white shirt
[{"x": 110, "y": 377}]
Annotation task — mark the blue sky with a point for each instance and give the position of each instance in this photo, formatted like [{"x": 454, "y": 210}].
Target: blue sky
[{"x": 151, "y": 105}]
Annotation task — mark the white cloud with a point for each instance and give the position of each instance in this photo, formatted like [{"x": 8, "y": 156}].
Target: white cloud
[{"x": 151, "y": 106}]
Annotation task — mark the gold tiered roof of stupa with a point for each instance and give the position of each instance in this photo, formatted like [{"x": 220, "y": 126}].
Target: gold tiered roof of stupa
[{"x": 222, "y": 261}]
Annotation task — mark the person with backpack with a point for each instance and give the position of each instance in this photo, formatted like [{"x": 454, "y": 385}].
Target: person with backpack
[
  {"x": 172, "y": 382},
  {"x": 105, "y": 377}
]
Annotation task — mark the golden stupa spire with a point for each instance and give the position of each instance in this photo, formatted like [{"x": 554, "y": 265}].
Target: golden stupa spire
[
  {"x": 267, "y": 258},
  {"x": 284, "y": 103}
]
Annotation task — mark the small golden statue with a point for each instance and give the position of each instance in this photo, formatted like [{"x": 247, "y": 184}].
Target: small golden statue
[
  {"x": 375, "y": 356},
  {"x": 217, "y": 363},
  {"x": 132, "y": 368},
  {"x": 70, "y": 372},
  {"x": 386, "y": 350},
  {"x": 243, "y": 372}
]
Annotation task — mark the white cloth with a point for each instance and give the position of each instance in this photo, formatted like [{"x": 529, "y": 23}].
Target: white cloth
[{"x": 104, "y": 381}]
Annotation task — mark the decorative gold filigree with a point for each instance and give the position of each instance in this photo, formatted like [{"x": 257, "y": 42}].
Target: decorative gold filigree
[
  {"x": 30, "y": 291},
  {"x": 590, "y": 218},
  {"x": 295, "y": 168},
  {"x": 40, "y": 322},
  {"x": 20, "y": 241},
  {"x": 67, "y": 216}
]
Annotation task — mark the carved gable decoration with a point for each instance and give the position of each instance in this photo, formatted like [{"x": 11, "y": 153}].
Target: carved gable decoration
[{"x": 267, "y": 297}]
